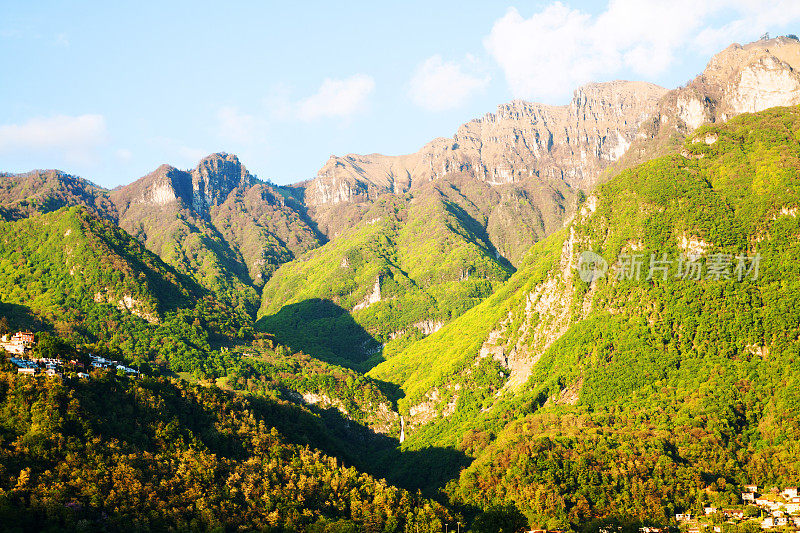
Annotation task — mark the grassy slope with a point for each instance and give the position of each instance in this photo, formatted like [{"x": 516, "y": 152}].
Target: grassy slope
[{"x": 432, "y": 263}]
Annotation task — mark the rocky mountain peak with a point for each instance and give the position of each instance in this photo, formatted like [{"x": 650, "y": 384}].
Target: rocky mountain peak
[
  {"x": 522, "y": 140},
  {"x": 215, "y": 177},
  {"x": 208, "y": 185},
  {"x": 737, "y": 57},
  {"x": 740, "y": 79},
  {"x": 165, "y": 185},
  {"x": 574, "y": 143}
]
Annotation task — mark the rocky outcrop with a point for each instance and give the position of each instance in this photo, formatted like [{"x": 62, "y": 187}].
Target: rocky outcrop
[
  {"x": 128, "y": 303},
  {"x": 215, "y": 178},
  {"x": 371, "y": 298},
  {"x": 520, "y": 141},
  {"x": 383, "y": 419},
  {"x": 207, "y": 186},
  {"x": 524, "y": 143},
  {"x": 426, "y": 327},
  {"x": 165, "y": 185},
  {"x": 739, "y": 79}
]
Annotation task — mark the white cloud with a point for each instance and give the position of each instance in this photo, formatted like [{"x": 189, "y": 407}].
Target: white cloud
[
  {"x": 438, "y": 85},
  {"x": 337, "y": 98},
  {"x": 238, "y": 127},
  {"x": 73, "y": 138},
  {"x": 559, "y": 48}
]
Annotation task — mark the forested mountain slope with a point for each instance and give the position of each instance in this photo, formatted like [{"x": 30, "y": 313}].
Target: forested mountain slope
[
  {"x": 90, "y": 282},
  {"x": 411, "y": 266},
  {"x": 43, "y": 191},
  {"x": 156, "y": 455},
  {"x": 630, "y": 394},
  {"x": 217, "y": 223}
]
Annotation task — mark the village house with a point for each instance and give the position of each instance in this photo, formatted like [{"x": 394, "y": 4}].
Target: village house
[
  {"x": 751, "y": 488},
  {"x": 790, "y": 492},
  {"x": 15, "y": 347},
  {"x": 733, "y": 513},
  {"x": 709, "y": 510},
  {"x": 18, "y": 343},
  {"x": 749, "y": 496},
  {"x": 28, "y": 371},
  {"x": 25, "y": 337}
]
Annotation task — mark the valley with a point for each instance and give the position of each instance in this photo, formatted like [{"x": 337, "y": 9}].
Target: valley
[{"x": 409, "y": 343}]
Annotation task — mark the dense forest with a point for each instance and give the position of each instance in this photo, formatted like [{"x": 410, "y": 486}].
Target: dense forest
[
  {"x": 650, "y": 395},
  {"x": 112, "y": 453}
]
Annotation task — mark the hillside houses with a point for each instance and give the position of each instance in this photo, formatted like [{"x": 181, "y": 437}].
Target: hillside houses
[
  {"x": 55, "y": 367},
  {"x": 22, "y": 342},
  {"x": 101, "y": 362},
  {"x": 18, "y": 343},
  {"x": 778, "y": 509}
]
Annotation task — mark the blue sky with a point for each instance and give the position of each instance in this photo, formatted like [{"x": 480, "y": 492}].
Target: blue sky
[{"x": 109, "y": 92}]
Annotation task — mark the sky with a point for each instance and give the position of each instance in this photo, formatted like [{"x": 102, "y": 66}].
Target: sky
[{"x": 110, "y": 90}]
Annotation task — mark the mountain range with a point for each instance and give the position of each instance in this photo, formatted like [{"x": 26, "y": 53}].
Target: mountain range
[{"x": 427, "y": 319}]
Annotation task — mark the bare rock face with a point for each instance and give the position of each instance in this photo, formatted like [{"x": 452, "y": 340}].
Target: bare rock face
[
  {"x": 207, "y": 186},
  {"x": 522, "y": 140},
  {"x": 164, "y": 186},
  {"x": 525, "y": 141},
  {"x": 215, "y": 178},
  {"x": 740, "y": 79}
]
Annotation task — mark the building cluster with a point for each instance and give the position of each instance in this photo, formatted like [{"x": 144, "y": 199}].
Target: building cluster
[
  {"x": 22, "y": 342},
  {"x": 776, "y": 510},
  {"x": 19, "y": 343},
  {"x": 100, "y": 362}
]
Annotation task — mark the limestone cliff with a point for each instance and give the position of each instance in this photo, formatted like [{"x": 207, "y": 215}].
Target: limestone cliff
[
  {"x": 569, "y": 145},
  {"x": 739, "y": 79},
  {"x": 520, "y": 141}
]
